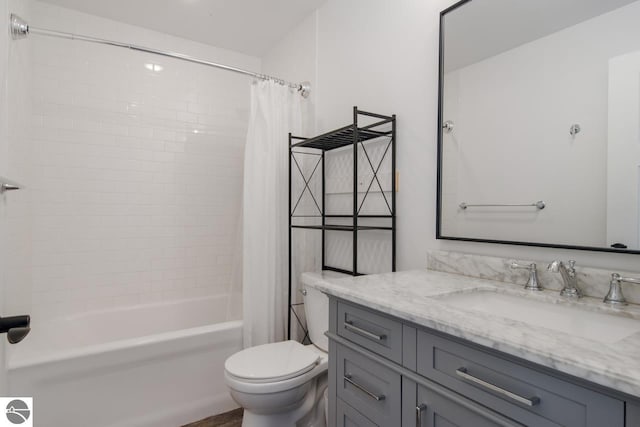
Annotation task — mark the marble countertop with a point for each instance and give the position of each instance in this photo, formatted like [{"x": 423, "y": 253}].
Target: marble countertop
[{"x": 413, "y": 296}]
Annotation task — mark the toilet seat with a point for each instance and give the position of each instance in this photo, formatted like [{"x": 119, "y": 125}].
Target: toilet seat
[{"x": 271, "y": 363}]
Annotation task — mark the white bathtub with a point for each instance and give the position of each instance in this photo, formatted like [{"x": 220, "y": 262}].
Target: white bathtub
[{"x": 157, "y": 365}]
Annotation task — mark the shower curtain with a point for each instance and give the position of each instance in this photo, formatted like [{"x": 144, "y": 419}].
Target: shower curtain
[{"x": 276, "y": 110}]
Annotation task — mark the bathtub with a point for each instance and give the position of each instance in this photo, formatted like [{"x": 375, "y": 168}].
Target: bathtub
[{"x": 155, "y": 365}]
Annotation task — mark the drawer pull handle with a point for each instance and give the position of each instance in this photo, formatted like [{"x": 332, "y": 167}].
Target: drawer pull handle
[
  {"x": 363, "y": 389},
  {"x": 419, "y": 410},
  {"x": 533, "y": 401},
  {"x": 350, "y": 326}
]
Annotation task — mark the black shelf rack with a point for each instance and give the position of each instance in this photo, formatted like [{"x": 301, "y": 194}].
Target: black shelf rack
[{"x": 356, "y": 135}]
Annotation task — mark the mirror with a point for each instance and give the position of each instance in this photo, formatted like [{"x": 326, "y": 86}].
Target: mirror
[{"x": 540, "y": 123}]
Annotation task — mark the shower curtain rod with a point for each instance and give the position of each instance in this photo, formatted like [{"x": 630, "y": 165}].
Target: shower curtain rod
[{"x": 20, "y": 29}]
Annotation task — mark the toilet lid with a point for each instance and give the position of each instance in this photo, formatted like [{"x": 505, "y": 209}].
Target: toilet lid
[{"x": 276, "y": 361}]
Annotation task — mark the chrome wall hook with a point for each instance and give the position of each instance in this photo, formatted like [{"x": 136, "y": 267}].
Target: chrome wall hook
[
  {"x": 574, "y": 130},
  {"x": 448, "y": 126},
  {"x": 8, "y": 185}
]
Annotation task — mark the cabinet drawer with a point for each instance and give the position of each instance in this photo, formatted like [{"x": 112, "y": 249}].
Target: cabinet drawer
[
  {"x": 349, "y": 417},
  {"x": 378, "y": 333},
  {"x": 512, "y": 389},
  {"x": 368, "y": 387},
  {"x": 440, "y": 409}
]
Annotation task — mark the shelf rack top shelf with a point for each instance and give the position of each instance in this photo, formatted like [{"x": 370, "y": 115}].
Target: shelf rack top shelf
[{"x": 340, "y": 138}]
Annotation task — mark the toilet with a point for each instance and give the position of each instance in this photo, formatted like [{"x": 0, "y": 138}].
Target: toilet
[{"x": 283, "y": 384}]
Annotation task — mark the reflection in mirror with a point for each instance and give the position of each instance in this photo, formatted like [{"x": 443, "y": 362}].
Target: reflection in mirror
[{"x": 540, "y": 116}]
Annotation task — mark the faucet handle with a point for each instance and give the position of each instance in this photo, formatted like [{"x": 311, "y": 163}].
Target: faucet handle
[
  {"x": 532, "y": 283},
  {"x": 554, "y": 266},
  {"x": 633, "y": 280},
  {"x": 515, "y": 265},
  {"x": 615, "y": 295},
  {"x": 557, "y": 265}
]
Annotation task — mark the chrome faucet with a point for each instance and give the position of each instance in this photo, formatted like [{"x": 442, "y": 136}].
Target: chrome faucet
[
  {"x": 615, "y": 295},
  {"x": 532, "y": 283},
  {"x": 569, "y": 277}
]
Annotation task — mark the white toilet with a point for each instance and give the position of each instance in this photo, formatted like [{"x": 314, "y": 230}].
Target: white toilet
[{"x": 283, "y": 384}]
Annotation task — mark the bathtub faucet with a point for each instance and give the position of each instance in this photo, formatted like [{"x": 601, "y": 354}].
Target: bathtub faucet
[{"x": 16, "y": 327}]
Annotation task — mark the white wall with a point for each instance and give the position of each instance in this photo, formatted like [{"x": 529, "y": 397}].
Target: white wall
[
  {"x": 4, "y": 68},
  {"x": 19, "y": 156},
  {"x": 135, "y": 177},
  {"x": 623, "y": 156},
  {"x": 512, "y": 114},
  {"x": 15, "y": 147},
  {"x": 383, "y": 56}
]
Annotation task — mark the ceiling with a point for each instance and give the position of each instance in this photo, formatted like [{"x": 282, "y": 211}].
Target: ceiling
[
  {"x": 247, "y": 26},
  {"x": 483, "y": 28}
]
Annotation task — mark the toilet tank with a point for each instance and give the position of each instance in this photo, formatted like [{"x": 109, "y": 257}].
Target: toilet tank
[{"x": 316, "y": 308}]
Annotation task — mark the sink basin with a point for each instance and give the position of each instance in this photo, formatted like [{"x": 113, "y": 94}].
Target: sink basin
[{"x": 572, "y": 320}]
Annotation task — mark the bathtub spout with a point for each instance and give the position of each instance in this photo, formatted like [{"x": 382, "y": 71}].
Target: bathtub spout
[
  {"x": 15, "y": 335},
  {"x": 16, "y": 327}
]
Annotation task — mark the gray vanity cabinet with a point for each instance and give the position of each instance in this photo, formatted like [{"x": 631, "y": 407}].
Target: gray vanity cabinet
[{"x": 386, "y": 372}]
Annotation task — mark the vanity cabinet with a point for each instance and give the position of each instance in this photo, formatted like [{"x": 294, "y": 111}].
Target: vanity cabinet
[{"x": 384, "y": 371}]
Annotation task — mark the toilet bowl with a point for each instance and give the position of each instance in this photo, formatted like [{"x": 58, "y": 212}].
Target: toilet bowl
[
  {"x": 283, "y": 384},
  {"x": 279, "y": 384}
]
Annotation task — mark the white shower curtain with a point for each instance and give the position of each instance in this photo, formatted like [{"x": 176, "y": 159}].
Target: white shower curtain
[{"x": 276, "y": 110}]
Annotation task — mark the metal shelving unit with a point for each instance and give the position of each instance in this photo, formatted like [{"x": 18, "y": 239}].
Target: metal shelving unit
[{"x": 380, "y": 128}]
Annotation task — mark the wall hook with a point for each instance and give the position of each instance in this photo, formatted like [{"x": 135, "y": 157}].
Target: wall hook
[
  {"x": 574, "y": 130},
  {"x": 448, "y": 126},
  {"x": 8, "y": 185}
]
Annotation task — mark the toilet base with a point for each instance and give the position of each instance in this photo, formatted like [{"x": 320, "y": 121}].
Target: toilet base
[{"x": 308, "y": 412}]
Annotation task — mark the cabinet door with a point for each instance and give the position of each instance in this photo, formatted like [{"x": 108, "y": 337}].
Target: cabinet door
[
  {"x": 349, "y": 417},
  {"x": 438, "y": 407}
]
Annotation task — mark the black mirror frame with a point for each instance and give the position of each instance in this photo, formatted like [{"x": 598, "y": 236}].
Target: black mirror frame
[{"x": 439, "y": 235}]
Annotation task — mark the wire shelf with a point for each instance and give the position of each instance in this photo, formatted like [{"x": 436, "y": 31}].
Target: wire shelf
[{"x": 340, "y": 138}]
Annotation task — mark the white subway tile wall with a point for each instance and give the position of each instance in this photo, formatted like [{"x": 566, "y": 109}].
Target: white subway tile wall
[
  {"x": 16, "y": 164},
  {"x": 137, "y": 168}
]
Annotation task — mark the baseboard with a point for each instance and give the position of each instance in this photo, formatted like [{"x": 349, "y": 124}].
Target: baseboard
[{"x": 183, "y": 414}]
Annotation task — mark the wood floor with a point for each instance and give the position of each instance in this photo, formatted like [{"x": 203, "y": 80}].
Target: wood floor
[{"x": 228, "y": 419}]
